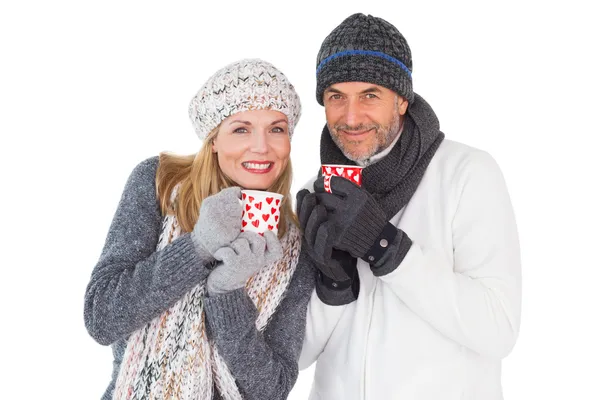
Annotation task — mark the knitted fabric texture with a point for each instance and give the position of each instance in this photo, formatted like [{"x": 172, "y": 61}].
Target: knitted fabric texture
[
  {"x": 364, "y": 48},
  {"x": 393, "y": 180},
  {"x": 172, "y": 357},
  {"x": 245, "y": 85}
]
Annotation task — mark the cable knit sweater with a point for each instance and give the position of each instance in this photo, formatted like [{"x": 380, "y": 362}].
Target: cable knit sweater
[{"x": 132, "y": 283}]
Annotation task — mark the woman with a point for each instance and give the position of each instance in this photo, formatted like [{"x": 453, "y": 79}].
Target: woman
[{"x": 194, "y": 308}]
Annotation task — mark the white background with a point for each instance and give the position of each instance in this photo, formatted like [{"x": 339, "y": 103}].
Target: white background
[{"x": 89, "y": 89}]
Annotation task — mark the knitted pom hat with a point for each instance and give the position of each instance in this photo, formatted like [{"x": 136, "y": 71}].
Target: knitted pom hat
[
  {"x": 364, "y": 48},
  {"x": 245, "y": 85}
]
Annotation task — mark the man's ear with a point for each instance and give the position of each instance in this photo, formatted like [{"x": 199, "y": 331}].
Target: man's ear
[{"x": 402, "y": 105}]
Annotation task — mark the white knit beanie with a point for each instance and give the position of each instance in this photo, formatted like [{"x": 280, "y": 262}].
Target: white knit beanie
[{"x": 245, "y": 85}]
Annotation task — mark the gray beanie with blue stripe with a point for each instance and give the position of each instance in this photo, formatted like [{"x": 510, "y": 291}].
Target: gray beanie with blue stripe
[{"x": 364, "y": 48}]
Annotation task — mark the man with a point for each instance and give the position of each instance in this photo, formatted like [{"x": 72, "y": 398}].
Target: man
[{"x": 419, "y": 283}]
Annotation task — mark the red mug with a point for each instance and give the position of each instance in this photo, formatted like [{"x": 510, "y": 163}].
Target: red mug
[{"x": 351, "y": 172}]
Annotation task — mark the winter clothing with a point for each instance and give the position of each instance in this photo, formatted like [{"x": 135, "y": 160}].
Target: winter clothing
[
  {"x": 364, "y": 48},
  {"x": 387, "y": 186},
  {"x": 355, "y": 215},
  {"x": 245, "y": 85},
  {"x": 148, "y": 287},
  {"x": 219, "y": 220},
  {"x": 337, "y": 274},
  {"x": 242, "y": 259},
  {"x": 438, "y": 253},
  {"x": 337, "y": 292},
  {"x": 393, "y": 179},
  {"x": 434, "y": 321}
]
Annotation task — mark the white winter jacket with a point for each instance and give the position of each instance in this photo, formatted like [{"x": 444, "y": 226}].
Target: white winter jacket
[{"x": 438, "y": 326}]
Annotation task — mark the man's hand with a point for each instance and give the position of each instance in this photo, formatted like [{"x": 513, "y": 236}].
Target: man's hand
[
  {"x": 348, "y": 218},
  {"x": 317, "y": 243}
]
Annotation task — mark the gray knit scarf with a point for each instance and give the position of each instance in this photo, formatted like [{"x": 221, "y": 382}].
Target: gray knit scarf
[{"x": 393, "y": 179}]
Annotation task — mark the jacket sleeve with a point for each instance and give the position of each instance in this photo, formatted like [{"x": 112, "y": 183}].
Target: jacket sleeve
[
  {"x": 264, "y": 364},
  {"x": 132, "y": 283},
  {"x": 478, "y": 302}
]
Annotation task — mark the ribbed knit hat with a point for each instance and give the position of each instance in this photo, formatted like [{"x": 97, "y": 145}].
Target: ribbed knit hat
[
  {"x": 245, "y": 85},
  {"x": 364, "y": 48}
]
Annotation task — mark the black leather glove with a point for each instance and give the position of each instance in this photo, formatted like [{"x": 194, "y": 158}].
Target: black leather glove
[{"x": 348, "y": 218}]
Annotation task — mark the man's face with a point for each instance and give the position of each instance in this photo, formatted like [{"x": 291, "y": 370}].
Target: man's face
[{"x": 363, "y": 118}]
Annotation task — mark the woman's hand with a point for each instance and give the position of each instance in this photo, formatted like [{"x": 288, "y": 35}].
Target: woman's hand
[
  {"x": 242, "y": 259},
  {"x": 220, "y": 220}
]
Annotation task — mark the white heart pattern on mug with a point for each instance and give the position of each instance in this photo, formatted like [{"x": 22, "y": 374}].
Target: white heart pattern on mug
[
  {"x": 352, "y": 173},
  {"x": 327, "y": 183}
]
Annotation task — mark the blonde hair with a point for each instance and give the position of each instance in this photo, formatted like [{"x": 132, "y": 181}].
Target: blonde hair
[{"x": 200, "y": 176}]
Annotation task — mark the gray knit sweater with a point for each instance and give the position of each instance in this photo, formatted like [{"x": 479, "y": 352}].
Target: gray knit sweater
[{"x": 132, "y": 283}]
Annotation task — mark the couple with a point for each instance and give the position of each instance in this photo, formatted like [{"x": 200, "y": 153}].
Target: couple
[{"x": 407, "y": 287}]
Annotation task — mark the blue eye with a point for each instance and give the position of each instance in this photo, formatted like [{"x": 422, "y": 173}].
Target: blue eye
[
  {"x": 240, "y": 130},
  {"x": 278, "y": 129},
  {"x": 370, "y": 96}
]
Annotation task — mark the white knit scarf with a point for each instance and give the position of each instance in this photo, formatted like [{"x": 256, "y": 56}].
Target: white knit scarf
[{"x": 172, "y": 358}]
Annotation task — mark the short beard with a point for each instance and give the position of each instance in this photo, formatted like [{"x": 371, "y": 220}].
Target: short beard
[{"x": 384, "y": 136}]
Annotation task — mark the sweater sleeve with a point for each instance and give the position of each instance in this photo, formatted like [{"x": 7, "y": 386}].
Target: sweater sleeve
[
  {"x": 132, "y": 283},
  {"x": 264, "y": 364},
  {"x": 478, "y": 302}
]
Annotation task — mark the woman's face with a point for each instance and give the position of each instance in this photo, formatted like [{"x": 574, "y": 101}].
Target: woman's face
[{"x": 253, "y": 147}]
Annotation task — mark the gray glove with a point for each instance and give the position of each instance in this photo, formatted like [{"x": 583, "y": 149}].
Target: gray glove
[
  {"x": 242, "y": 259},
  {"x": 220, "y": 221}
]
